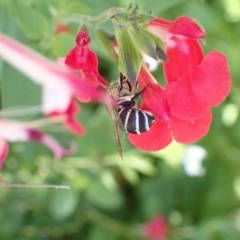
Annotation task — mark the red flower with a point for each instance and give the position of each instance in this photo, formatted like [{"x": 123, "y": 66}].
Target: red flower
[
  {"x": 61, "y": 28},
  {"x": 70, "y": 121},
  {"x": 166, "y": 127},
  {"x": 195, "y": 83},
  {"x": 156, "y": 229},
  {"x": 81, "y": 58}
]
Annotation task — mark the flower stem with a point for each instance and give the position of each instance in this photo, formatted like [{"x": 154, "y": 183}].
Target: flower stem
[
  {"x": 20, "y": 111},
  {"x": 34, "y": 186},
  {"x": 90, "y": 20}
]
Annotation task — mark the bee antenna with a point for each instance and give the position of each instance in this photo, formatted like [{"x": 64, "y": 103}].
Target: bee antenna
[
  {"x": 102, "y": 81},
  {"x": 139, "y": 93}
]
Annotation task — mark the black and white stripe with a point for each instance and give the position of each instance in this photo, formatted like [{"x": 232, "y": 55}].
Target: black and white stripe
[{"x": 135, "y": 121}]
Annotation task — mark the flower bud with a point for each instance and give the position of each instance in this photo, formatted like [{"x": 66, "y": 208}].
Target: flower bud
[
  {"x": 130, "y": 59},
  {"x": 107, "y": 40},
  {"x": 145, "y": 18},
  {"x": 146, "y": 42}
]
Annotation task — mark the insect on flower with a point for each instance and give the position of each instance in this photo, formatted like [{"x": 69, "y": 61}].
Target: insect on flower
[{"x": 122, "y": 107}]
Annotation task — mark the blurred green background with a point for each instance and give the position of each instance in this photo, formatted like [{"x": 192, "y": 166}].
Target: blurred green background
[{"x": 109, "y": 198}]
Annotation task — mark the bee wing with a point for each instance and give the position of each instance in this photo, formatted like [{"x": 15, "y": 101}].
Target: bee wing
[
  {"x": 117, "y": 138},
  {"x": 116, "y": 124}
]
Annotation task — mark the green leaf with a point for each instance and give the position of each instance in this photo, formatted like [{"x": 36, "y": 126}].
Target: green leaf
[
  {"x": 3, "y": 18},
  {"x": 100, "y": 233},
  {"x": 143, "y": 41},
  {"x": 17, "y": 90},
  {"x": 129, "y": 173},
  {"x": 141, "y": 164},
  {"x": 130, "y": 59},
  {"x": 159, "y": 46},
  {"x": 103, "y": 197},
  {"x": 107, "y": 41},
  {"x": 145, "y": 18},
  {"x": 77, "y": 7},
  {"x": 32, "y": 22},
  {"x": 62, "y": 43},
  {"x": 63, "y": 203},
  {"x": 160, "y": 7}
]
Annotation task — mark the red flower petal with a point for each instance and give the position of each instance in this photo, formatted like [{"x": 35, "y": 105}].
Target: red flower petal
[
  {"x": 183, "y": 26},
  {"x": 145, "y": 78},
  {"x": 3, "y": 151},
  {"x": 61, "y": 28},
  {"x": 183, "y": 101},
  {"x": 157, "y": 138},
  {"x": 190, "y": 131},
  {"x": 187, "y": 27},
  {"x": 83, "y": 38},
  {"x": 212, "y": 81},
  {"x": 81, "y": 58},
  {"x": 183, "y": 57},
  {"x": 157, "y": 228},
  {"x": 85, "y": 60},
  {"x": 154, "y": 99},
  {"x": 71, "y": 123}
]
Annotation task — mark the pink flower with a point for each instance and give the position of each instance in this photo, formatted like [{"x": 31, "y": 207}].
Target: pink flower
[
  {"x": 156, "y": 229},
  {"x": 12, "y": 131},
  {"x": 82, "y": 59},
  {"x": 60, "y": 85}
]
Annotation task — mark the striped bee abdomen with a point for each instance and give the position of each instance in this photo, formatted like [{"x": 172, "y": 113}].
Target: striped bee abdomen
[{"x": 135, "y": 121}]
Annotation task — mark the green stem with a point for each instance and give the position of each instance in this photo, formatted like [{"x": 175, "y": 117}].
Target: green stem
[{"x": 90, "y": 20}]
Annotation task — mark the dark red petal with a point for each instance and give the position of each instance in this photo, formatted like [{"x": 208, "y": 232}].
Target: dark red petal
[
  {"x": 190, "y": 131},
  {"x": 92, "y": 62},
  {"x": 82, "y": 58},
  {"x": 212, "y": 80},
  {"x": 157, "y": 138},
  {"x": 71, "y": 122},
  {"x": 183, "y": 101},
  {"x": 145, "y": 78},
  {"x": 72, "y": 57},
  {"x": 154, "y": 100},
  {"x": 153, "y": 96},
  {"x": 3, "y": 151},
  {"x": 183, "y": 58},
  {"x": 75, "y": 126},
  {"x": 183, "y": 26},
  {"x": 82, "y": 38}
]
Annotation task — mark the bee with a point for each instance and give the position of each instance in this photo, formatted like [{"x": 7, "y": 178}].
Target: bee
[{"x": 122, "y": 107}]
